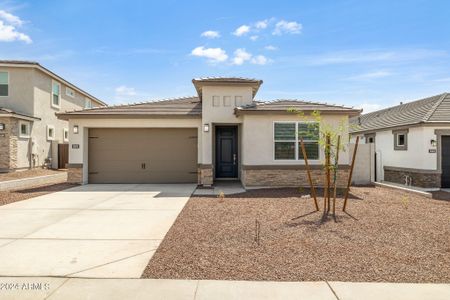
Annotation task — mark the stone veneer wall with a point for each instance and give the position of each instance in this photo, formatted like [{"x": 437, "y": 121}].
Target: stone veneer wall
[
  {"x": 8, "y": 144},
  {"x": 253, "y": 176},
  {"x": 205, "y": 175},
  {"x": 420, "y": 178},
  {"x": 75, "y": 173}
]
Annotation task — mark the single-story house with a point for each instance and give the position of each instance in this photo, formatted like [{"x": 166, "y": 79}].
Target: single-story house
[
  {"x": 412, "y": 141},
  {"x": 220, "y": 134}
]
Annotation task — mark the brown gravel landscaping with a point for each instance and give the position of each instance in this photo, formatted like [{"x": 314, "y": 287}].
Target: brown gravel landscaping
[
  {"x": 388, "y": 235},
  {"x": 27, "y": 173},
  {"x": 19, "y": 195}
]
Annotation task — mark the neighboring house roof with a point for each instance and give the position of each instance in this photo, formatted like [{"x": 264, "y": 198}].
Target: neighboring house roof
[
  {"x": 202, "y": 81},
  {"x": 433, "y": 109},
  {"x": 179, "y": 107},
  {"x": 192, "y": 107},
  {"x": 33, "y": 64},
  {"x": 5, "y": 112},
  {"x": 285, "y": 106}
]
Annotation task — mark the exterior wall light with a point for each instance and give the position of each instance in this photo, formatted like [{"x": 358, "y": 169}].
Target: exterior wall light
[
  {"x": 2, "y": 126},
  {"x": 433, "y": 143},
  {"x": 206, "y": 127},
  {"x": 75, "y": 129}
]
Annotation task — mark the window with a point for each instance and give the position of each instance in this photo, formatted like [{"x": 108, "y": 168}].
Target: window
[
  {"x": 65, "y": 135},
  {"x": 400, "y": 139},
  {"x": 24, "y": 128},
  {"x": 287, "y": 137},
  {"x": 4, "y": 83},
  {"x": 50, "y": 132},
  {"x": 310, "y": 134},
  {"x": 70, "y": 92},
  {"x": 56, "y": 88},
  {"x": 370, "y": 138},
  {"x": 216, "y": 101},
  {"x": 238, "y": 100},
  {"x": 87, "y": 103},
  {"x": 226, "y": 101}
]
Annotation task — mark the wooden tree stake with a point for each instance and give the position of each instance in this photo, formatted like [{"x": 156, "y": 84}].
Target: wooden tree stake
[
  {"x": 336, "y": 163},
  {"x": 351, "y": 173},
  {"x": 327, "y": 165},
  {"x": 313, "y": 190}
]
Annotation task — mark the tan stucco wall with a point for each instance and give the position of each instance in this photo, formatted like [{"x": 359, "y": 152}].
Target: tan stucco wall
[
  {"x": 258, "y": 144},
  {"x": 80, "y": 155},
  {"x": 220, "y": 114},
  {"x": 30, "y": 94}
]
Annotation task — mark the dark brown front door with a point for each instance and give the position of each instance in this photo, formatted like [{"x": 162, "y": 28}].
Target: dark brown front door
[
  {"x": 445, "y": 155},
  {"x": 63, "y": 155},
  {"x": 226, "y": 152}
]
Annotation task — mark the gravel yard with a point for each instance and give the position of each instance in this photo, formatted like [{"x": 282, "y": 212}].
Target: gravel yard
[
  {"x": 27, "y": 173},
  {"x": 390, "y": 236},
  {"x": 19, "y": 195}
]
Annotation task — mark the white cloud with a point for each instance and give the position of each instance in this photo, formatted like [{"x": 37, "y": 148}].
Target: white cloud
[
  {"x": 211, "y": 34},
  {"x": 287, "y": 27},
  {"x": 241, "y": 56},
  {"x": 260, "y": 60},
  {"x": 10, "y": 18},
  {"x": 213, "y": 54},
  {"x": 9, "y": 33},
  {"x": 369, "y": 56},
  {"x": 242, "y": 30},
  {"x": 254, "y": 37},
  {"x": 262, "y": 24},
  {"x": 371, "y": 75},
  {"x": 124, "y": 91},
  {"x": 369, "y": 107},
  {"x": 8, "y": 28},
  {"x": 271, "y": 48}
]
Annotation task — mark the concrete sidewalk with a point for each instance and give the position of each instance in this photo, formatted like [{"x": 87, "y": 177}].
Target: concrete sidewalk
[{"x": 76, "y": 288}]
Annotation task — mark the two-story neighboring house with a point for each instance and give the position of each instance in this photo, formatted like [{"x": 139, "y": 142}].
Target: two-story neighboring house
[{"x": 30, "y": 132}]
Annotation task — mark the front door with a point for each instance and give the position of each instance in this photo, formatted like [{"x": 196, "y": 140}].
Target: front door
[
  {"x": 445, "y": 155},
  {"x": 226, "y": 152}
]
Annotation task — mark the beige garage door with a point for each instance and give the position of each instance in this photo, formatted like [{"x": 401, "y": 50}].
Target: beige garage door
[{"x": 147, "y": 155}]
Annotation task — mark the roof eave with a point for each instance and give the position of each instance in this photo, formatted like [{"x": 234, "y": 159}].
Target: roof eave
[
  {"x": 68, "y": 116},
  {"x": 239, "y": 111}
]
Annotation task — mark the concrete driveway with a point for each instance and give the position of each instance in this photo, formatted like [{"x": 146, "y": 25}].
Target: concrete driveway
[{"x": 102, "y": 231}]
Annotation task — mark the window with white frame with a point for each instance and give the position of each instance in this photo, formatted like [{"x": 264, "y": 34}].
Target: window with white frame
[
  {"x": 287, "y": 140},
  {"x": 50, "y": 132},
  {"x": 65, "y": 135},
  {"x": 24, "y": 129},
  {"x": 56, "y": 94},
  {"x": 4, "y": 83},
  {"x": 400, "y": 139},
  {"x": 87, "y": 103},
  {"x": 70, "y": 92}
]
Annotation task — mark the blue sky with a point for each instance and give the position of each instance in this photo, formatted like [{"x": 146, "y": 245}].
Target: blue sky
[{"x": 368, "y": 54}]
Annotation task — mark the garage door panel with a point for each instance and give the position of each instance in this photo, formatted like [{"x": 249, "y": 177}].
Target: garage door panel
[{"x": 117, "y": 155}]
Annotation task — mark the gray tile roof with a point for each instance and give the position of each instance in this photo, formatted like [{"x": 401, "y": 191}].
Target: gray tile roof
[
  {"x": 202, "y": 81},
  {"x": 187, "y": 106},
  {"x": 284, "y": 105},
  {"x": 427, "y": 110}
]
